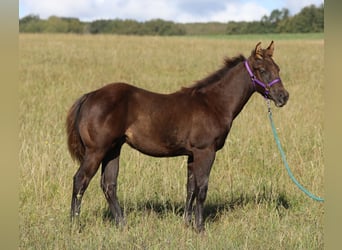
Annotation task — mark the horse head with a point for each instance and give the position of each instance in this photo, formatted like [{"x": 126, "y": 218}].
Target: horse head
[{"x": 264, "y": 73}]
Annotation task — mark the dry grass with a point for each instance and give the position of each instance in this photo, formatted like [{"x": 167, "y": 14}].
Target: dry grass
[{"x": 251, "y": 204}]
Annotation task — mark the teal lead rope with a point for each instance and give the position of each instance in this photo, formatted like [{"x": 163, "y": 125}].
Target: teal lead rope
[{"x": 276, "y": 138}]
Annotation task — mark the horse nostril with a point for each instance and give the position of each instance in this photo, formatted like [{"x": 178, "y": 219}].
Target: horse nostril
[{"x": 283, "y": 96}]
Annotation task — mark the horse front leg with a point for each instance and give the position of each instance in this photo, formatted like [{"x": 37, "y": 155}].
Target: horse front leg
[
  {"x": 200, "y": 199},
  {"x": 200, "y": 168},
  {"x": 191, "y": 194}
]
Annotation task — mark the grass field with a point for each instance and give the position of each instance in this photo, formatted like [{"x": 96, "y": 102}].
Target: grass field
[{"x": 251, "y": 203}]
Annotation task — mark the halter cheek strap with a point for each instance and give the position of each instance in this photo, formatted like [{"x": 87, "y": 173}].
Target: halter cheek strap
[{"x": 255, "y": 80}]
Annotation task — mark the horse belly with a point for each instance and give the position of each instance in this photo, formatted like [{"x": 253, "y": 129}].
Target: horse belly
[{"x": 154, "y": 144}]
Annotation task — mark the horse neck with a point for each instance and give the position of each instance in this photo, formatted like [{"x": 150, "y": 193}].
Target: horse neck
[{"x": 232, "y": 92}]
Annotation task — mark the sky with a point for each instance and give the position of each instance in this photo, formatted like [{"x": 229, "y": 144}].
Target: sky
[{"x": 172, "y": 10}]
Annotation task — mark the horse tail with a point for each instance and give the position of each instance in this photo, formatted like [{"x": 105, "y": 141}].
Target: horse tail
[{"x": 75, "y": 144}]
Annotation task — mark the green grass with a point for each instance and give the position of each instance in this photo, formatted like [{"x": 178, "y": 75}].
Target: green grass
[
  {"x": 267, "y": 37},
  {"x": 251, "y": 203}
]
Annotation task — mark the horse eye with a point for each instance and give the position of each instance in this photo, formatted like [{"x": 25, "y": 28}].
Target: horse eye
[{"x": 262, "y": 71}]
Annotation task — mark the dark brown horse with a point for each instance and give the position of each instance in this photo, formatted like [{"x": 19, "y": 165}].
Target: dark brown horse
[{"x": 193, "y": 121}]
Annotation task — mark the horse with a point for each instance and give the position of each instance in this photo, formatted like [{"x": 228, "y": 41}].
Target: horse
[{"x": 193, "y": 122}]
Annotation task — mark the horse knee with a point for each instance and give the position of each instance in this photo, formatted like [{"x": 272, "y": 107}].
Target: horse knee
[
  {"x": 202, "y": 193},
  {"x": 108, "y": 188}
]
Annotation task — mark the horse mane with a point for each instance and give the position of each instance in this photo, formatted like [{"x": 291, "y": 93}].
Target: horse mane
[{"x": 229, "y": 63}]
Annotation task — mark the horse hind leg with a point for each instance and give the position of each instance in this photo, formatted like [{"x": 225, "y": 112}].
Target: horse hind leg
[
  {"x": 110, "y": 171},
  {"x": 82, "y": 178}
]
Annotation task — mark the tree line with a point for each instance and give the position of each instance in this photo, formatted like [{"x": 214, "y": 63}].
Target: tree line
[{"x": 309, "y": 20}]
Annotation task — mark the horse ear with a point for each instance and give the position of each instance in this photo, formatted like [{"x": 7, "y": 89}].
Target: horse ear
[
  {"x": 270, "y": 49},
  {"x": 258, "y": 51}
]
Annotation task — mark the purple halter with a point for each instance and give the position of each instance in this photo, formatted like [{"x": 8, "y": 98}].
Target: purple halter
[{"x": 255, "y": 80}]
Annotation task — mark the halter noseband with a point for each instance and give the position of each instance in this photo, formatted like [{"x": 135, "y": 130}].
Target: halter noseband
[{"x": 255, "y": 80}]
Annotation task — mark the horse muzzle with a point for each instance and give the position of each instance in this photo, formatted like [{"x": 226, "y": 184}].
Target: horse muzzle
[{"x": 280, "y": 98}]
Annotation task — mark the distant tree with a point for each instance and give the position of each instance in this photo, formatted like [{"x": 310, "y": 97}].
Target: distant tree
[
  {"x": 309, "y": 19},
  {"x": 131, "y": 27},
  {"x": 233, "y": 28},
  {"x": 163, "y": 28},
  {"x": 275, "y": 16},
  {"x": 29, "y": 18},
  {"x": 271, "y": 23},
  {"x": 74, "y": 25},
  {"x": 55, "y": 24},
  {"x": 100, "y": 26},
  {"x": 31, "y": 24}
]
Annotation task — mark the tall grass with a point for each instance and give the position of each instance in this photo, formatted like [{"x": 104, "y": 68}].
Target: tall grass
[{"x": 251, "y": 204}]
